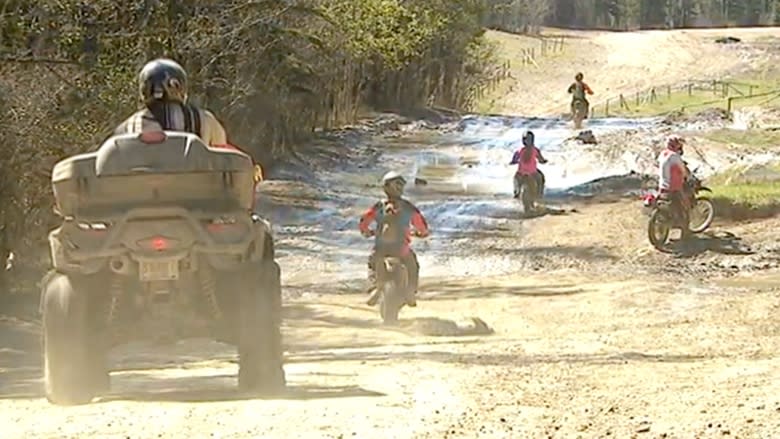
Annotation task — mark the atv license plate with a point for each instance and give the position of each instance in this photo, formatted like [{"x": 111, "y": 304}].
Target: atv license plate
[{"x": 159, "y": 270}]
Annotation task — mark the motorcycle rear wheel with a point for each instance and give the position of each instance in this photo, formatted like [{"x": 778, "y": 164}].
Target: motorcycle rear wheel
[{"x": 579, "y": 115}]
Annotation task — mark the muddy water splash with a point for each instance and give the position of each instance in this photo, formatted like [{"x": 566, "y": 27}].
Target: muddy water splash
[
  {"x": 467, "y": 192},
  {"x": 493, "y": 141}
]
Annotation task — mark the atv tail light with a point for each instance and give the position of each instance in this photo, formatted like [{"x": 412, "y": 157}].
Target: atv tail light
[
  {"x": 151, "y": 137},
  {"x": 157, "y": 243}
]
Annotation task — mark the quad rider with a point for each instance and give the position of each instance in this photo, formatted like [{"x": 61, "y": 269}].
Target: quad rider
[
  {"x": 673, "y": 174},
  {"x": 578, "y": 91},
  {"x": 162, "y": 84},
  {"x": 393, "y": 217},
  {"x": 527, "y": 158}
]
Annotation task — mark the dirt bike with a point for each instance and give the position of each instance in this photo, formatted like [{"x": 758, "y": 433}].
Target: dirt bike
[
  {"x": 528, "y": 190},
  {"x": 578, "y": 113},
  {"x": 157, "y": 241},
  {"x": 392, "y": 285},
  {"x": 663, "y": 219}
]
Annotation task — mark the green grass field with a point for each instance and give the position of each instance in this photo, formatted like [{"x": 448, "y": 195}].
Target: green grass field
[
  {"x": 755, "y": 187},
  {"x": 756, "y": 139}
]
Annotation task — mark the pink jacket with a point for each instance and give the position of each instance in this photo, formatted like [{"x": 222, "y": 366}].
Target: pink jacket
[{"x": 529, "y": 166}]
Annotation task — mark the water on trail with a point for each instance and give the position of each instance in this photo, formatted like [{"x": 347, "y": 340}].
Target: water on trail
[{"x": 467, "y": 193}]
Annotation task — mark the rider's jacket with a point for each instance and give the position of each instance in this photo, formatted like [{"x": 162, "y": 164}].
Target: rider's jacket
[
  {"x": 173, "y": 116},
  {"x": 671, "y": 171},
  {"x": 526, "y": 159},
  {"x": 186, "y": 118},
  {"x": 399, "y": 215},
  {"x": 579, "y": 89}
]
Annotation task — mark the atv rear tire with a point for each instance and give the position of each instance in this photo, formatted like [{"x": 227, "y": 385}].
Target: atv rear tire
[
  {"x": 260, "y": 339},
  {"x": 74, "y": 370}
]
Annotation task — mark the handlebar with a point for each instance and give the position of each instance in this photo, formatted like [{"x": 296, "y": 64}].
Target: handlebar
[{"x": 371, "y": 233}]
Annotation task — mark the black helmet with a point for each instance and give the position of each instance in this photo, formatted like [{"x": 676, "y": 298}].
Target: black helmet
[
  {"x": 579, "y": 76},
  {"x": 393, "y": 184},
  {"x": 528, "y": 138},
  {"x": 163, "y": 80}
]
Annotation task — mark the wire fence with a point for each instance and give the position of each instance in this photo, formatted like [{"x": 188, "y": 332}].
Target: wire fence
[
  {"x": 548, "y": 46},
  {"x": 691, "y": 95}
]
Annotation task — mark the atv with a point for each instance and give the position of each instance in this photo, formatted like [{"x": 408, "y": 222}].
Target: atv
[{"x": 157, "y": 240}]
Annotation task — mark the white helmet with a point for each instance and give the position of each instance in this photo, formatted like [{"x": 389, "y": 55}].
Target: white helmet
[{"x": 393, "y": 184}]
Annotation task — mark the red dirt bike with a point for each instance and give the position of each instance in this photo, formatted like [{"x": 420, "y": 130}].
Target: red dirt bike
[{"x": 663, "y": 218}]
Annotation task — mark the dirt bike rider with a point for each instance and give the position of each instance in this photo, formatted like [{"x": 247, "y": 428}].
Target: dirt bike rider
[
  {"x": 526, "y": 158},
  {"x": 162, "y": 84},
  {"x": 400, "y": 213},
  {"x": 673, "y": 174},
  {"x": 579, "y": 90}
]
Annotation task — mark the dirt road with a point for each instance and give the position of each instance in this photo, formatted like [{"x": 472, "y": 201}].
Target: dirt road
[
  {"x": 589, "y": 332},
  {"x": 574, "y": 353}
]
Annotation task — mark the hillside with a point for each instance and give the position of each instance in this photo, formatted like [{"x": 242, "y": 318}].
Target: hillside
[{"x": 620, "y": 62}]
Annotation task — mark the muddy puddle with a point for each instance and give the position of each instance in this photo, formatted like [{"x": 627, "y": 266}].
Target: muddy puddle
[{"x": 460, "y": 179}]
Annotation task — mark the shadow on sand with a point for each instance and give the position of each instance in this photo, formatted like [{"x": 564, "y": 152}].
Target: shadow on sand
[{"x": 722, "y": 242}]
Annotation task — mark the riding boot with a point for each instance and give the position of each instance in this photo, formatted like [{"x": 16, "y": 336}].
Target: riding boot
[
  {"x": 374, "y": 298},
  {"x": 540, "y": 184},
  {"x": 685, "y": 228}
]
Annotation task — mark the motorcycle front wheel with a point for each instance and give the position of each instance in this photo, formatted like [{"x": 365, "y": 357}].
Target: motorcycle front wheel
[
  {"x": 701, "y": 215},
  {"x": 658, "y": 229},
  {"x": 393, "y": 297}
]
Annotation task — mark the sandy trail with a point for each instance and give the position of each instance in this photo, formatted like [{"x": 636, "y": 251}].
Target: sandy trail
[{"x": 571, "y": 356}]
